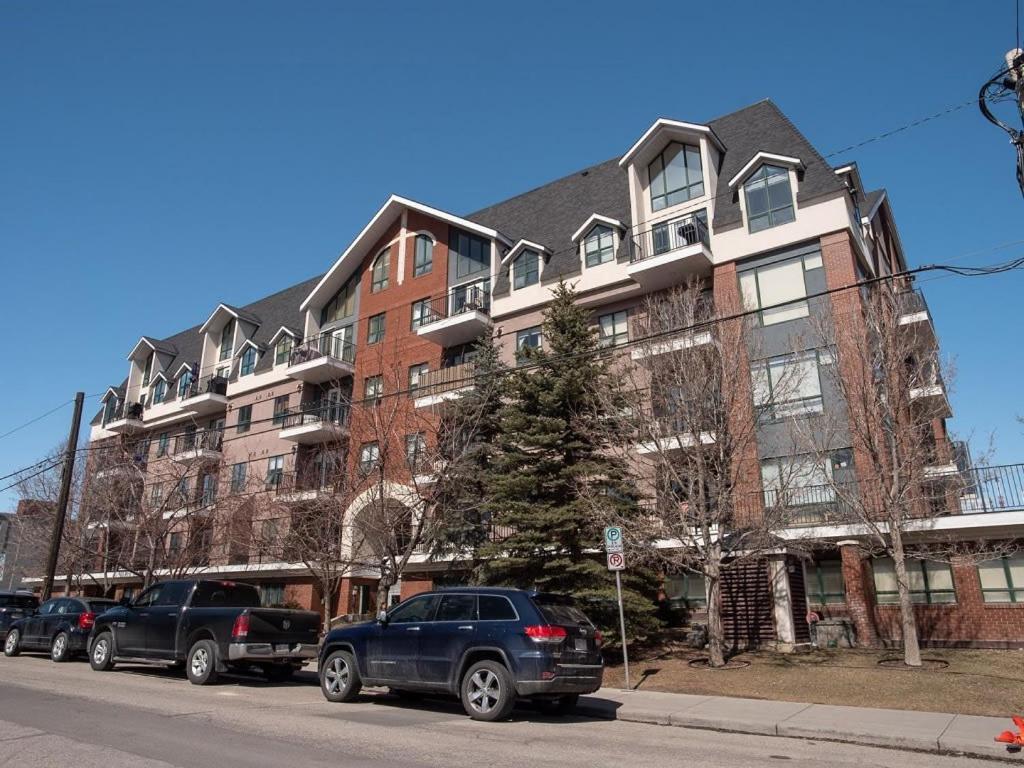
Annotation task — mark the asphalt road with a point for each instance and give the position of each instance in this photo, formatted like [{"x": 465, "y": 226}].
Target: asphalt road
[{"x": 66, "y": 714}]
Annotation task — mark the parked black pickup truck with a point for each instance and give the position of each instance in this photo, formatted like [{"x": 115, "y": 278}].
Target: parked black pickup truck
[{"x": 209, "y": 626}]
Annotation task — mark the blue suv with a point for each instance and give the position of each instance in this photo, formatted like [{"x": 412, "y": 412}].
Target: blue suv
[{"x": 488, "y": 646}]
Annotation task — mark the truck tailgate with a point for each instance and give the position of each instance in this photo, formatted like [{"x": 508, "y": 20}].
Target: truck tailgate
[{"x": 280, "y": 625}]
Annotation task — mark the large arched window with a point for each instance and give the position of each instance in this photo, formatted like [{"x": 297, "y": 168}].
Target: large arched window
[
  {"x": 676, "y": 175},
  {"x": 769, "y": 198},
  {"x": 423, "y": 260},
  {"x": 525, "y": 269},
  {"x": 379, "y": 271}
]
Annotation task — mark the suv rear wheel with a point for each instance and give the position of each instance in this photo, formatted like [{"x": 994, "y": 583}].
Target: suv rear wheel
[
  {"x": 339, "y": 678},
  {"x": 59, "y": 647},
  {"x": 487, "y": 691}
]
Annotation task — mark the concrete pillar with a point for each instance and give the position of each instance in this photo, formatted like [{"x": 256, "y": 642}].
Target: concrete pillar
[
  {"x": 858, "y": 603},
  {"x": 782, "y": 603}
]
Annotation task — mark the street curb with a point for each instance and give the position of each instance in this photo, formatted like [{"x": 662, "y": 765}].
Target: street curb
[{"x": 952, "y": 741}]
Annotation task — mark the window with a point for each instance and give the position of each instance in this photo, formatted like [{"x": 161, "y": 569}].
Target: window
[
  {"x": 525, "y": 269},
  {"x": 456, "y": 608},
  {"x": 369, "y": 456},
  {"x": 375, "y": 329},
  {"x": 797, "y": 480},
  {"x": 271, "y": 595},
  {"x": 342, "y": 304},
  {"x": 423, "y": 259},
  {"x": 283, "y": 349},
  {"x": 238, "y": 472},
  {"x": 373, "y": 387},
  {"x": 496, "y": 608},
  {"x": 248, "y": 361},
  {"x": 613, "y": 329},
  {"x": 416, "y": 373},
  {"x": 184, "y": 383},
  {"x": 183, "y": 491},
  {"x": 175, "y": 544},
  {"x": 420, "y": 313},
  {"x": 929, "y": 582},
  {"x": 687, "y": 589},
  {"x": 275, "y": 471},
  {"x": 159, "y": 391},
  {"x": 472, "y": 254},
  {"x": 824, "y": 582},
  {"x": 209, "y": 490},
  {"x": 675, "y": 176},
  {"x": 526, "y": 340},
  {"x": 280, "y": 409},
  {"x": 415, "y": 610},
  {"x": 769, "y": 198},
  {"x": 227, "y": 340},
  {"x": 787, "y": 386},
  {"x": 244, "y": 418},
  {"x": 1002, "y": 580},
  {"x": 470, "y": 296},
  {"x": 599, "y": 246},
  {"x": 150, "y": 597},
  {"x": 415, "y": 450},
  {"x": 156, "y": 495},
  {"x": 148, "y": 370},
  {"x": 776, "y": 289},
  {"x": 457, "y": 355},
  {"x": 379, "y": 271},
  {"x": 163, "y": 443}
]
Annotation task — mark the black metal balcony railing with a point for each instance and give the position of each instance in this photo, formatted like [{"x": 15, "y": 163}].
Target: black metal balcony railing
[
  {"x": 318, "y": 412},
  {"x": 475, "y": 297},
  {"x": 123, "y": 410},
  {"x": 208, "y": 385},
  {"x": 206, "y": 439},
  {"x": 911, "y": 301},
  {"x": 325, "y": 345},
  {"x": 667, "y": 236},
  {"x": 311, "y": 478}
]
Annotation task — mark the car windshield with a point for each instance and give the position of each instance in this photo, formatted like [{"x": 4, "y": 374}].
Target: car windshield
[
  {"x": 557, "y": 609},
  {"x": 213, "y": 594},
  {"x": 18, "y": 601}
]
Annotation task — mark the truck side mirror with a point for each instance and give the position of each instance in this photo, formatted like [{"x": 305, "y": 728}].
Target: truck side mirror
[{"x": 382, "y": 618}]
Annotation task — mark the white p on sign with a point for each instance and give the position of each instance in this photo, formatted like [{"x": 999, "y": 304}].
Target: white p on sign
[
  {"x": 613, "y": 539},
  {"x": 616, "y": 561}
]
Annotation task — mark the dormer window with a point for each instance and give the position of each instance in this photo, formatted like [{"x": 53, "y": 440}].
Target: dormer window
[
  {"x": 769, "y": 198},
  {"x": 676, "y": 175},
  {"x": 159, "y": 391},
  {"x": 379, "y": 271},
  {"x": 526, "y": 269},
  {"x": 227, "y": 340},
  {"x": 599, "y": 247},
  {"x": 147, "y": 371},
  {"x": 283, "y": 350},
  {"x": 184, "y": 383},
  {"x": 248, "y": 362}
]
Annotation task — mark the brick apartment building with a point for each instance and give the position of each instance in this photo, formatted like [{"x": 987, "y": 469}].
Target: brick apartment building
[{"x": 257, "y": 396}]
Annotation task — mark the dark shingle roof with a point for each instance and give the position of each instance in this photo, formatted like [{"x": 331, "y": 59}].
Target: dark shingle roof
[{"x": 870, "y": 201}]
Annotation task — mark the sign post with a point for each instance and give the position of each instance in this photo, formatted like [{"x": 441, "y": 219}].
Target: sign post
[{"x": 613, "y": 546}]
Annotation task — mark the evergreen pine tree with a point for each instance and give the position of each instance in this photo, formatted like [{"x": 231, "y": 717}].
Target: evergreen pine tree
[{"x": 549, "y": 466}]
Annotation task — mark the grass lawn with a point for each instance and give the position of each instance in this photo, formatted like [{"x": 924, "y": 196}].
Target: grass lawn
[{"x": 976, "y": 682}]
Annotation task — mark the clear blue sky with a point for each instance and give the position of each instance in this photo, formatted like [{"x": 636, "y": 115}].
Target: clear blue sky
[{"x": 156, "y": 158}]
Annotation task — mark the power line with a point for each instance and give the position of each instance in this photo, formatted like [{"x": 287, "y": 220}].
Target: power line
[{"x": 33, "y": 421}]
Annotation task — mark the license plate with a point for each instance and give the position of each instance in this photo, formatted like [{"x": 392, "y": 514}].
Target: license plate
[
  {"x": 581, "y": 644},
  {"x": 281, "y": 648}
]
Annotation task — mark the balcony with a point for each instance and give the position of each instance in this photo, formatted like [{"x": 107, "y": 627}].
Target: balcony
[
  {"x": 318, "y": 422},
  {"x": 671, "y": 434},
  {"x": 669, "y": 252},
  {"x": 458, "y": 317},
  {"x": 124, "y": 419},
  {"x": 206, "y": 396},
  {"x": 325, "y": 358},
  {"x": 445, "y": 384},
  {"x": 915, "y": 318},
  {"x": 200, "y": 447},
  {"x": 308, "y": 484}
]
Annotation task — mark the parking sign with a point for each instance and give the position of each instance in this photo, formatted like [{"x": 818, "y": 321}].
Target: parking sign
[
  {"x": 616, "y": 561},
  {"x": 613, "y": 539}
]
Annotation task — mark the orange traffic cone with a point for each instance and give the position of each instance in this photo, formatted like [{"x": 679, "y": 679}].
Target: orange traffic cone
[{"x": 1013, "y": 740}]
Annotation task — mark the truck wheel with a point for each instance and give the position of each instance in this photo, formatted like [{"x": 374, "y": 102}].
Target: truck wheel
[
  {"x": 487, "y": 691},
  {"x": 563, "y": 705},
  {"x": 278, "y": 673},
  {"x": 201, "y": 664},
  {"x": 12, "y": 645},
  {"x": 339, "y": 678},
  {"x": 101, "y": 655},
  {"x": 59, "y": 648}
]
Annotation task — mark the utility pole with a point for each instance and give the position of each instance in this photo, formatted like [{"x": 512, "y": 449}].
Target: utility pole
[
  {"x": 1007, "y": 85},
  {"x": 62, "y": 500}
]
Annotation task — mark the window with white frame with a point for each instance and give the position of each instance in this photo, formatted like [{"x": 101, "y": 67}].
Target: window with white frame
[
  {"x": 375, "y": 328},
  {"x": 777, "y": 289},
  {"x": 423, "y": 259},
  {"x": 676, "y": 175},
  {"x": 415, "y": 450},
  {"x": 1002, "y": 580},
  {"x": 526, "y": 340},
  {"x": 420, "y": 313},
  {"x": 613, "y": 328},
  {"x": 227, "y": 340},
  {"x": 929, "y": 582},
  {"x": 283, "y": 349},
  {"x": 369, "y": 457},
  {"x": 526, "y": 269},
  {"x": 599, "y": 246},
  {"x": 275, "y": 471},
  {"x": 248, "y": 361},
  {"x": 789, "y": 385},
  {"x": 797, "y": 480},
  {"x": 159, "y": 391},
  {"x": 373, "y": 387},
  {"x": 238, "y": 472},
  {"x": 379, "y": 271},
  {"x": 416, "y": 374},
  {"x": 769, "y": 198},
  {"x": 184, "y": 383}
]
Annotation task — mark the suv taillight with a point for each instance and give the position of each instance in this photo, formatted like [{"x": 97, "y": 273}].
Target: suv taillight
[
  {"x": 545, "y": 633},
  {"x": 598, "y": 638},
  {"x": 86, "y": 620},
  {"x": 241, "y": 628}
]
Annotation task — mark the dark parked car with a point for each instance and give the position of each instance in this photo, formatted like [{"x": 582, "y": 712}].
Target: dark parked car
[
  {"x": 486, "y": 646},
  {"x": 210, "y": 626},
  {"x": 14, "y": 606},
  {"x": 61, "y": 626}
]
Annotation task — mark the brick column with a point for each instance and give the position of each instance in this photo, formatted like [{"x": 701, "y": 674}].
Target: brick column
[{"x": 858, "y": 602}]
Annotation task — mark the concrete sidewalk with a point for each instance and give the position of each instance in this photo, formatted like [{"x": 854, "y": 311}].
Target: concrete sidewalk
[{"x": 901, "y": 729}]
